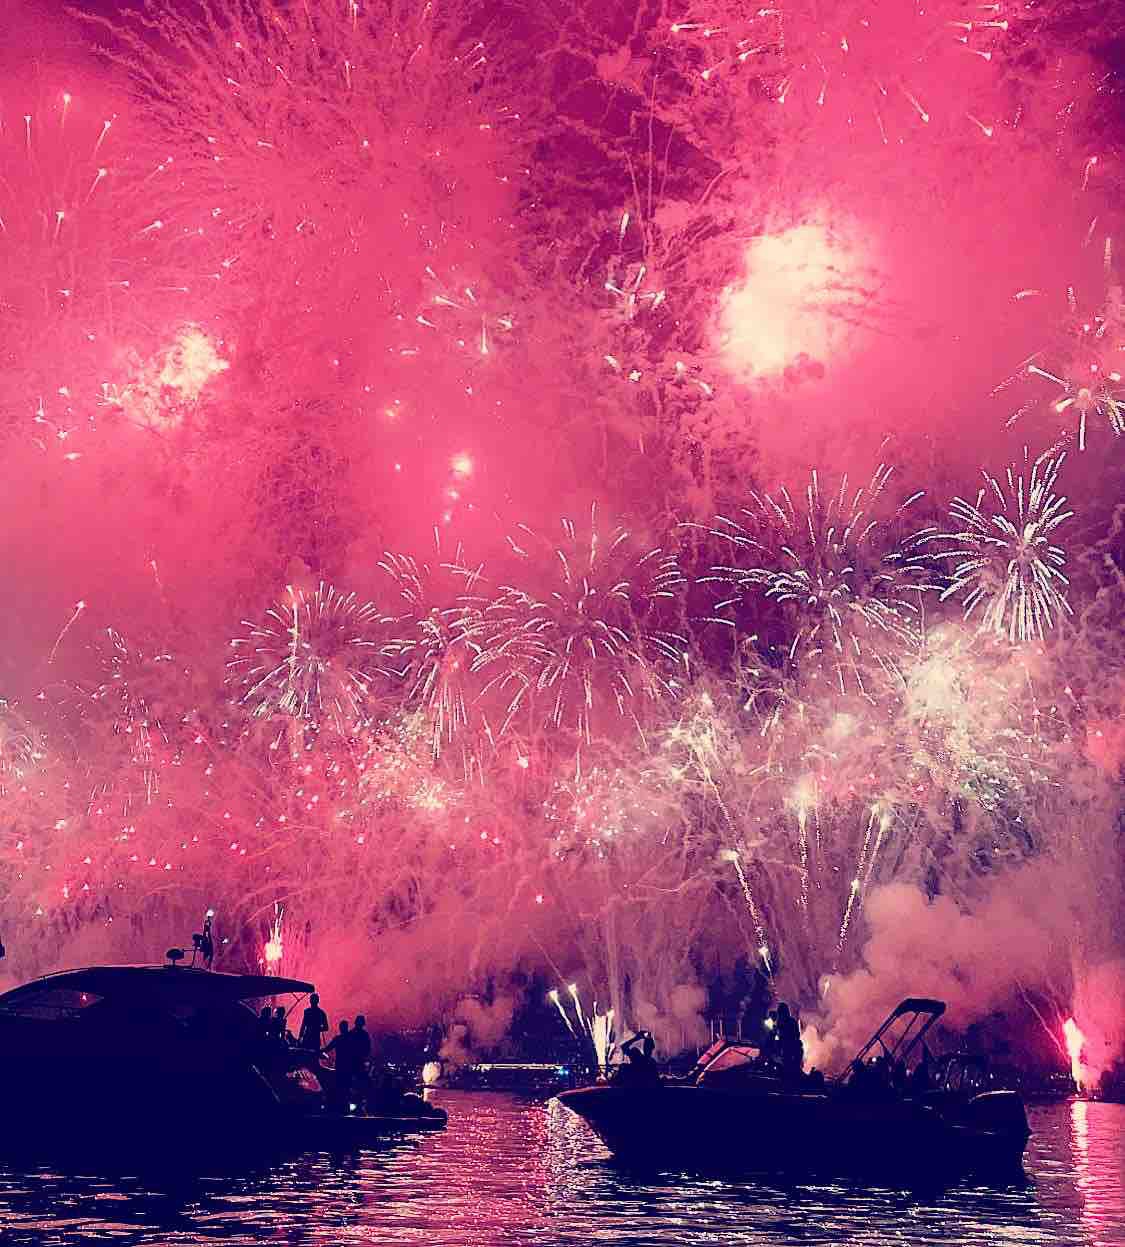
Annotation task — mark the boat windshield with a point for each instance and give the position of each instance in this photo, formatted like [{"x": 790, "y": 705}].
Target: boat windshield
[{"x": 732, "y": 1058}]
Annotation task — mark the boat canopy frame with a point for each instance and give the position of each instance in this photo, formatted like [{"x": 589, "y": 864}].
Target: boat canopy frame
[{"x": 922, "y": 1014}]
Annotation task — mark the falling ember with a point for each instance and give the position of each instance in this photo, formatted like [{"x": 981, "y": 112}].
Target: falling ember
[
  {"x": 78, "y": 609},
  {"x": 735, "y": 859},
  {"x": 1075, "y": 1042}
]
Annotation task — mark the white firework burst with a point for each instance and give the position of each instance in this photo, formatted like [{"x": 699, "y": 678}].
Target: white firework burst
[
  {"x": 315, "y": 655},
  {"x": 1002, "y": 551}
]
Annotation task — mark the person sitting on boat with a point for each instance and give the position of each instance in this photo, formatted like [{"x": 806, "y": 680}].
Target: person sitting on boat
[
  {"x": 314, "y": 1025},
  {"x": 641, "y": 1070},
  {"x": 280, "y": 1030},
  {"x": 921, "y": 1078}
]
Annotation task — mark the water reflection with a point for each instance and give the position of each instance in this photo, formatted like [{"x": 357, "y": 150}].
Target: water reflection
[
  {"x": 1099, "y": 1163},
  {"x": 511, "y": 1172}
]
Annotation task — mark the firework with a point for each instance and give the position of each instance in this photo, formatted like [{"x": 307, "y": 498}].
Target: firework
[
  {"x": 850, "y": 593},
  {"x": 63, "y": 263},
  {"x": 281, "y": 139},
  {"x": 1085, "y": 365},
  {"x": 592, "y": 643},
  {"x": 1002, "y": 553},
  {"x": 599, "y": 806},
  {"x": 804, "y": 288},
  {"x": 274, "y": 948},
  {"x": 138, "y": 695},
  {"x": 1074, "y": 1042},
  {"x": 164, "y": 389},
  {"x": 316, "y": 656},
  {"x": 20, "y": 746},
  {"x": 880, "y": 63},
  {"x": 461, "y": 310},
  {"x": 435, "y": 636}
]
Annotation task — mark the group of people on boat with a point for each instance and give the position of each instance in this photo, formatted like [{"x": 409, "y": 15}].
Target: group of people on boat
[
  {"x": 781, "y": 1049},
  {"x": 356, "y": 1081},
  {"x": 884, "y": 1077}
]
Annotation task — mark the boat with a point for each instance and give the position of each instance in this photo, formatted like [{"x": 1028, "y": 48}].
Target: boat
[
  {"x": 143, "y": 1058},
  {"x": 736, "y": 1109}
]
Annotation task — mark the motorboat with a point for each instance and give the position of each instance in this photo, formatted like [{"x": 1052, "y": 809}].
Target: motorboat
[
  {"x": 886, "y": 1115},
  {"x": 143, "y": 1059},
  {"x": 323, "y": 1117}
]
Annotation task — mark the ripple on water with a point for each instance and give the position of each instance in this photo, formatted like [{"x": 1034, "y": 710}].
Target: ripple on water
[{"x": 509, "y": 1171}]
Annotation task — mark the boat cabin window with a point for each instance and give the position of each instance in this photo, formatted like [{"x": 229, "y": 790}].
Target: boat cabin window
[{"x": 49, "y": 1004}]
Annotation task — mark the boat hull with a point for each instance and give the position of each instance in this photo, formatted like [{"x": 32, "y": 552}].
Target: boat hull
[{"x": 791, "y": 1132}]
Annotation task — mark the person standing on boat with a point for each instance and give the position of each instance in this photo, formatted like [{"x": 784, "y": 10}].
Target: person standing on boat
[
  {"x": 361, "y": 1056},
  {"x": 361, "y": 1038},
  {"x": 787, "y": 1038},
  {"x": 343, "y": 1048},
  {"x": 314, "y": 1025}
]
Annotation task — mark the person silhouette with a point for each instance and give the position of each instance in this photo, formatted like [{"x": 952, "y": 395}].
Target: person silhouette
[
  {"x": 343, "y": 1050},
  {"x": 361, "y": 1040},
  {"x": 787, "y": 1038},
  {"x": 641, "y": 1070},
  {"x": 314, "y": 1025}
]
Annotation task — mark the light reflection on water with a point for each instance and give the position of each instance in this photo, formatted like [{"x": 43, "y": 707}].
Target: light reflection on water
[{"x": 506, "y": 1171}]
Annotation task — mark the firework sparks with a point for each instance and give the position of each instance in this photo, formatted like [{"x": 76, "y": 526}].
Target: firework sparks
[
  {"x": 460, "y": 310},
  {"x": 833, "y": 567},
  {"x": 63, "y": 262},
  {"x": 167, "y": 386},
  {"x": 735, "y": 858},
  {"x": 316, "y": 655},
  {"x": 1074, "y": 1042},
  {"x": 435, "y": 638},
  {"x": 1092, "y": 362},
  {"x": 862, "y": 62},
  {"x": 1002, "y": 553},
  {"x": 137, "y": 692},
  {"x": 599, "y": 806},
  {"x": 277, "y": 123},
  {"x": 274, "y": 948},
  {"x": 595, "y": 634},
  {"x": 20, "y": 746}
]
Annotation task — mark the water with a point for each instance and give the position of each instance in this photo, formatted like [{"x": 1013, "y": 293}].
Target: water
[{"x": 507, "y": 1171}]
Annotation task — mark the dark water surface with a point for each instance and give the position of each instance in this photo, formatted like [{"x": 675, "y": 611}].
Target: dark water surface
[{"x": 507, "y": 1171}]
